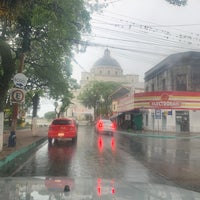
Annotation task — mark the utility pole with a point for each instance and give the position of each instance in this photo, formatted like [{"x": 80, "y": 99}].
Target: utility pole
[
  {"x": 17, "y": 95},
  {"x": 15, "y": 104}
]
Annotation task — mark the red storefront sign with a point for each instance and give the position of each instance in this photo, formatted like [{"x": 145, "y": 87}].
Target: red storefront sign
[{"x": 168, "y": 100}]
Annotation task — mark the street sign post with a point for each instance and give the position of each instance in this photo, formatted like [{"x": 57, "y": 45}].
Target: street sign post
[
  {"x": 157, "y": 114},
  {"x": 20, "y": 80},
  {"x": 17, "y": 95}
]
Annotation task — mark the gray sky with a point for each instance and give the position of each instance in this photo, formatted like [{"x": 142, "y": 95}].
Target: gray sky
[
  {"x": 141, "y": 33},
  {"x": 146, "y": 30}
]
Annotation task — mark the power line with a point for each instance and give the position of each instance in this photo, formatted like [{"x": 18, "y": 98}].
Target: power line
[
  {"x": 124, "y": 23},
  {"x": 139, "y": 42},
  {"x": 79, "y": 64},
  {"x": 145, "y": 21},
  {"x": 147, "y": 36}
]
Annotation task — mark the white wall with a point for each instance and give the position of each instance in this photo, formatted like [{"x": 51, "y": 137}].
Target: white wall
[{"x": 194, "y": 121}]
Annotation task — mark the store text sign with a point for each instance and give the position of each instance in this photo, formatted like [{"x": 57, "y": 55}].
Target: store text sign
[
  {"x": 168, "y": 100},
  {"x": 165, "y": 104}
]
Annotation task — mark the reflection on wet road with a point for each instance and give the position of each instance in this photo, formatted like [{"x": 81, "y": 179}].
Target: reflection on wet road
[{"x": 138, "y": 159}]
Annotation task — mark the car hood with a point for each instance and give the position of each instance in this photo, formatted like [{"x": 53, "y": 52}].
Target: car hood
[{"x": 46, "y": 188}]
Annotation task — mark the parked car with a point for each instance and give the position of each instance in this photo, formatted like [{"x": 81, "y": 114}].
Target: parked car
[
  {"x": 62, "y": 128},
  {"x": 105, "y": 126}
]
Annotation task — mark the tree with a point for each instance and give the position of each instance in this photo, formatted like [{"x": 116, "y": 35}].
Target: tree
[
  {"x": 42, "y": 30},
  {"x": 6, "y": 72},
  {"x": 50, "y": 115},
  {"x": 96, "y": 95}
]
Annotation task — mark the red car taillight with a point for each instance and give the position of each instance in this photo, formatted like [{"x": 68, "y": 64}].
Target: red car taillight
[{"x": 100, "y": 124}]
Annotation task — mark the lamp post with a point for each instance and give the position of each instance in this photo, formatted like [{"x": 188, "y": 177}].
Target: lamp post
[{"x": 101, "y": 105}]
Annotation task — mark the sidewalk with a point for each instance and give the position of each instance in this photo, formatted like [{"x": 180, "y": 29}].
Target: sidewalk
[
  {"x": 160, "y": 134},
  {"x": 25, "y": 141}
]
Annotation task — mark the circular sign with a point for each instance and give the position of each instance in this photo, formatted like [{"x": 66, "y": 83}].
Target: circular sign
[
  {"x": 20, "y": 80},
  {"x": 164, "y": 97},
  {"x": 18, "y": 95}
]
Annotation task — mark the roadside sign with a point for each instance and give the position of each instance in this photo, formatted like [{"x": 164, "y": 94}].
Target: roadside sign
[
  {"x": 157, "y": 114},
  {"x": 20, "y": 80},
  {"x": 17, "y": 95}
]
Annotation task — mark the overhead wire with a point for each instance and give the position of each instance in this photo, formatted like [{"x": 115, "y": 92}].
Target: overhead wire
[
  {"x": 116, "y": 15},
  {"x": 159, "y": 35},
  {"x": 136, "y": 41},
  {"x": 131, "y": 23},
  {"x": 144, "y": 38},
  {"x": 151, "y": 41}
]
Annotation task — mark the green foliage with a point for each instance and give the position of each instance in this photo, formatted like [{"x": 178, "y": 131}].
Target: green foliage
[
  {"x": 45, "y": 30},
  {"x": 97, "y": 95},
  {"x": 7, "y": 69},
  {"x": 50, "y": 115}
]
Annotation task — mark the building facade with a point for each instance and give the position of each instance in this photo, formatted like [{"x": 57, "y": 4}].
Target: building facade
[
  {"x": 109, "y": 69},
  {"x": 104, "y": 69},
  {"x": 178, "y": 72},
  {"x": 171, "y": 101}
]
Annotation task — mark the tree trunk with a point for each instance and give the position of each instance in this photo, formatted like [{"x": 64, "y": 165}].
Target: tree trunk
[{"x": 35, "y": 100}]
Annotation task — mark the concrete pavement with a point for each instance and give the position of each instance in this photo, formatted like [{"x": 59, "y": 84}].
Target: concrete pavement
[{"x": 25, "y": 143}]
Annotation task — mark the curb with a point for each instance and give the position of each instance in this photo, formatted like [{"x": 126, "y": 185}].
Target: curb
[
  {"x": 159, "y": 136},
  {"x": 148, "y": 135},
  {"x": 15, "y": 159}
]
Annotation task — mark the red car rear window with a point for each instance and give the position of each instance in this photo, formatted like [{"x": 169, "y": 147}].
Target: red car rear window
[{"x": 62, "y": 122}]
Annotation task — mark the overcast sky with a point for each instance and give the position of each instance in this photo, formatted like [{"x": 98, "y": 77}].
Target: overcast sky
[{"x": 140, "y": 33}]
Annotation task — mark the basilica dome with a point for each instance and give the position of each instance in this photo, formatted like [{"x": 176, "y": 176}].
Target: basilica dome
[
  {"x": 107, "y": 60},
  {"x": 107, "y": 66}
]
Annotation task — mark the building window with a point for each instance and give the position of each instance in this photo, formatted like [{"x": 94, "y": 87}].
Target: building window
[
  {"x": 152, "y": 88},
  {"x": 87, "y": 78},
  {"x": 163, "y": 84},
  {"x": 108, "y": 71},
  {"x": 100, "y": 72},
  {"x": 181, "y": 82},
  {"x": 116, "y": 73}
]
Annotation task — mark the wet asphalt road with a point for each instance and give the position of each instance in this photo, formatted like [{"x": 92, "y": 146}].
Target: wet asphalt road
[{"x": 172, "y": 161}]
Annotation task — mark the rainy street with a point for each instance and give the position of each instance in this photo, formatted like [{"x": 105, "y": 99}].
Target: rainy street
[{"x": 163, "y": 160}]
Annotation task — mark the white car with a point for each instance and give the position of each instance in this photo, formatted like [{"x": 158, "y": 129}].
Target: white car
[{"x": 105, "y": 126}]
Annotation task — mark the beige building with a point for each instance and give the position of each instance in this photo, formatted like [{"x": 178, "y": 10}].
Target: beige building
[
  {"x": 109, "y": 69},
  {"x": 104, "y": 69}
]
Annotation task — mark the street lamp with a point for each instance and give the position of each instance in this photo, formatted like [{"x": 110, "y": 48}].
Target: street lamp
[{"x": 101, "y": 101}]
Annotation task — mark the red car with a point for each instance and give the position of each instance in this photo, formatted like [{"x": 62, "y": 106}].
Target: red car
[{"x": 62, "y": 128}]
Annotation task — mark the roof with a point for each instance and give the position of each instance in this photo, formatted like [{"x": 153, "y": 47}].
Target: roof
[
  {"x": 186, "y": 58},
  {"x": 121, "y": 91},
  {"x": 107, "y": 60}
]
